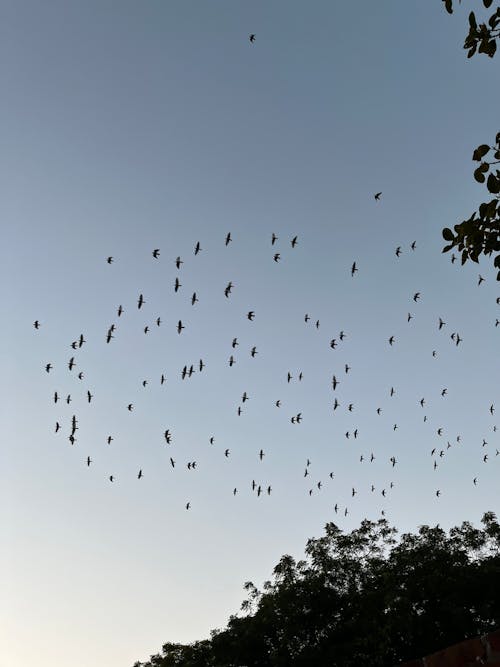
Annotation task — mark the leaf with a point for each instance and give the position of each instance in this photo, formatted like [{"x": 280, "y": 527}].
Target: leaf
[
  {"x": 498, "y": 275},
  {"x": 447, "y": 234},
  {"x": 493, "y": 184},
  {"x": 447, "y": 247},
  {"x": 472, "y": 21},
  {"x": 487, "y": 3},
  {"x": 480, "y": 152},
  {"x": 464, "y": 257},
  {"x": 448, "y": 6},
  {"x": 496, "y": 262},
  {"x": 479, "y": 176}
]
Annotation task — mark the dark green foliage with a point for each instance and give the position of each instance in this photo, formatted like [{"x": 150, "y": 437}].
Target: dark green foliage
[
  {"x": 480, "y": 234},
  {"x": 361, "y": 597}
]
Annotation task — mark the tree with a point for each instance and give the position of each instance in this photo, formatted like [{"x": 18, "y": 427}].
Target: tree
[
  {"x": 481, "y": 235},
  {"x": 361, "y": 597}
]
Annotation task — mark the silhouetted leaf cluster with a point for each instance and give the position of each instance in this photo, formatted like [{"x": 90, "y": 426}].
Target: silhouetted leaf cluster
[
  {"x": 361, "y": 597},
  {"x": 480, "y": 234}
]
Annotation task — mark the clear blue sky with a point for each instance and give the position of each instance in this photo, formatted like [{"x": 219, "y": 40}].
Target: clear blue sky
[{"x": 128, "y": 126}]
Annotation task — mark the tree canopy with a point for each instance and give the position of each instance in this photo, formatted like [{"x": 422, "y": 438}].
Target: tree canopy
[
  {"x": 480, "y": 234},
  {"x": 361, "y": 596}
]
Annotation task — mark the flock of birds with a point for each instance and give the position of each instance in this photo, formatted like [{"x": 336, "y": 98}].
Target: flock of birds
[{"x": 188, "y": 370}]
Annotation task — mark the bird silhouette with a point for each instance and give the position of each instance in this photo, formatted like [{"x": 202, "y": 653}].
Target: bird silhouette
[
  {"x": 178, "y": 262},
  {"x": 416, "y": 296},
  {"x": 197, "y": 248},
  {"x": 274, "y": 238},
  {"x": 228, "y": 238},
  {"x": 252, "y": 38},
  {"x": 294, "y": 241},
  {"x": 353, "y": 269},
  {"x": 109, "y": 260},
  {"x": 180, "y": 326},
  {"x": 377, "y": 196},
  {"x": 140, "y": 301},
  {"x": 250, "y": 315},
  {"x": 36, "y": 324},
  {"x": 140, "y": 474},
  {"x": 89, "y": 460},
  {"x": 276, "y": 256},
  {"x": 156, "y": 253}
]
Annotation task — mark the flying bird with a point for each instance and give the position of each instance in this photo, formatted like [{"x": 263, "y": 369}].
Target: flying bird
[
  {"x": 274, "y": 238},
  {"x": 353, "y": 269},
  {"x": 250, "y": 315},
  {"x": 294, "y": 241},
  {"x": 416, "y": 296},
  {"x": 180, "y": 326},
  {"x": 252, "y": 38},
  {"x": 398, "y": 251},
  {"x": 109, "y": 260},
  {"x": 36, "y": 324},
  {"x": 140, "y": 301},
  {"x": 197, "y": 248},
  {"x": 156, "y": 253},
  {"x": 228, "y": 238},
  {"x": 178, "y": 262},
  {"x": 377, "y": 196}
]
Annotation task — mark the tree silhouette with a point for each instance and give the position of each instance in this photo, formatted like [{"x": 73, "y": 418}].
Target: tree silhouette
[
  {"x": 480, "y": 234},
  {"x": 361, "y": 596}
]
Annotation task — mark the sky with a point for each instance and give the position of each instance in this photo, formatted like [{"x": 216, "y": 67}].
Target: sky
[{"x": 129, "y": 126}]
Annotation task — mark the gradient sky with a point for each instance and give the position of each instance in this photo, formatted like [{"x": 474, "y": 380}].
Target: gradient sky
[{"x": 127, "y": 126}]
